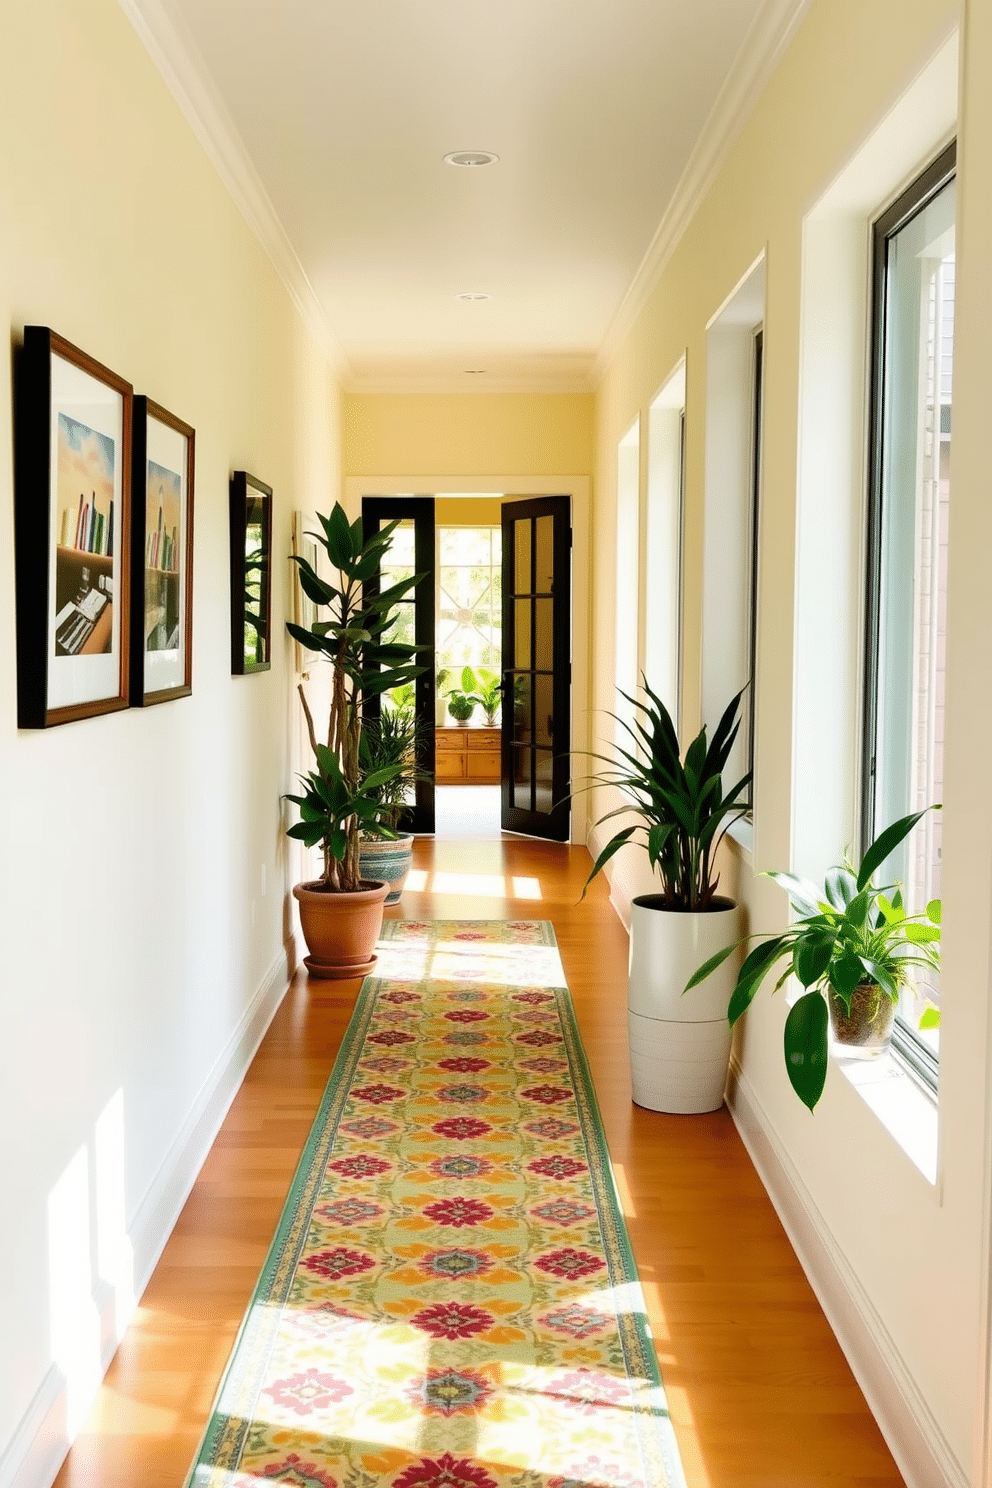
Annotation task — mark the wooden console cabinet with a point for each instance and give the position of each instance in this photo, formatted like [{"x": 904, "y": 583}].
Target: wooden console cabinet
[{"x": 467, "y": 756}]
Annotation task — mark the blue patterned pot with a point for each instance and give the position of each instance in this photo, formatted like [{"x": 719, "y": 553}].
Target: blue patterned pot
[{"x": 386, "y": 860}]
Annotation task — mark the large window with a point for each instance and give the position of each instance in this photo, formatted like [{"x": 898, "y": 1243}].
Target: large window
[
  {"x": 913, "y": 343},
  {"x": 470, "y": 598}
]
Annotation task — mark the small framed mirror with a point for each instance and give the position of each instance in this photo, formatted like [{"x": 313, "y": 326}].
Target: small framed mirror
[{"x": 251, "y": 572}]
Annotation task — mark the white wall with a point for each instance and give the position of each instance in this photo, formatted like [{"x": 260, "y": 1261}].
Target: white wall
[
  {"x": 899, "y": 1261},
  {"x": 144, "y": 919}
]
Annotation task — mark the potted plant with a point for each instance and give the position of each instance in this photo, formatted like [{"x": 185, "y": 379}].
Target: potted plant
[
  {"x": 441, "y": 700},
  {"x": 340, "y": 913},
  {"x": 487, "y": 690},
  {"x": 389, "y": 743},
  {"x": 462, "y": 700},
  {"x": 853, "y": 949},
  {"x": 679, "y": 1047}
]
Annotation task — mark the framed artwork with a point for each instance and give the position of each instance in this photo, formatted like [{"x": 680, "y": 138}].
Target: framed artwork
[
  {"x": 161, "y": 556},
  {"x": 251, "y": 573},
  {"x": 72, "y": 532}
]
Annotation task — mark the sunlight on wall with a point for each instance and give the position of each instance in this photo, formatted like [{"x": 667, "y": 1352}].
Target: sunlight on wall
[
  {"x": 115, "y": 1258},
  {"x": 75, "y": 1322}
]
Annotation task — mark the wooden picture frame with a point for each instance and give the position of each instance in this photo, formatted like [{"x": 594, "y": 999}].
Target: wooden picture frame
[
  {"x": 72, "y": 513},
  {"x": 251, "y": 574},
  {"x": 161, "y": 555}
]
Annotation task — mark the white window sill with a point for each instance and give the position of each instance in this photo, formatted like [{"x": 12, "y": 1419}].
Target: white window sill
[{"x": 904, "y": 1106}]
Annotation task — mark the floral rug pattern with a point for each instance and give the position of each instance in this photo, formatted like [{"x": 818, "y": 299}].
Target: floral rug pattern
[{"x": 450, "y": 1299}]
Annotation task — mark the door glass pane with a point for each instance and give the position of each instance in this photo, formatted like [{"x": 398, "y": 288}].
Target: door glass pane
[
  {"x": 545, "y": 545},
  {"x": 544, "y": 692},
  {"x": 398, "y": 560},
  {"x": 544, "y": 634},
  {"x": 521, "y": 633},
  {"x": 521, "y": 544},
  {"x": 544, "y": 765},
  {"x": 520, "y": 781},
  {"x": 521, "y": 706}
]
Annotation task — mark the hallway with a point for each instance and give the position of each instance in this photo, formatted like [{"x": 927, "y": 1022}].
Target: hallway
[{"x": 760, "y": 1393}]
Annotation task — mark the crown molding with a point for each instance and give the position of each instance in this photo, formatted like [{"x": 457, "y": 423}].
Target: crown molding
[
  {"x": 172, "y": 49},
  {"x": 764, "y": 45},
  {"x": 444, "y": 383}
]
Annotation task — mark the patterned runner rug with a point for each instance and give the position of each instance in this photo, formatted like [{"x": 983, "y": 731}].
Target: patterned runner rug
[{"x": 450, "y": 1300}]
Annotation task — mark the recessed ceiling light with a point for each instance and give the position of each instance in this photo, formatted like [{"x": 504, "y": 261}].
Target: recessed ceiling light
[
  {"x": 472, "y": 295},
  {"x": 471, "y": 159}
]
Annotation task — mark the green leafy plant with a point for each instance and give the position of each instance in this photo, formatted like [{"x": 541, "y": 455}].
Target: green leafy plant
[
  {"x": 486, "y": 688},
  {"x": 683, "y": 812},
  {"x": 849, "y": 934},
  {"x": 341, "y": 798},
  {"x": 462, "y": 700},
  {"x": 388, "y": 747}
]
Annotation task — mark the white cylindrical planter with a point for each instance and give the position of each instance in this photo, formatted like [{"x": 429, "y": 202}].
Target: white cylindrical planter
[{"x": 679, "y": 1044}]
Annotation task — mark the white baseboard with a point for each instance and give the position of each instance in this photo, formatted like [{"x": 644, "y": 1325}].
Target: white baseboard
[
  {"x": 921, "y": 1451},
  {"x": 41, "y": 1440}
]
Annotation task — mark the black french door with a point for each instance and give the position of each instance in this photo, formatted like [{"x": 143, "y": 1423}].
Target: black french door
[
  {"x": 412, "y": 552},
  {"x": 537, "y": 668}
]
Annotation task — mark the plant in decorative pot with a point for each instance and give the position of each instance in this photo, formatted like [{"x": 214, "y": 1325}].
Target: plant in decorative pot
[
  {"x": 487, "y": 690},
  {"x": 679, "y": 1047},
  {"x": 389, "y": 743},
  {"x": 339, "y": 797},
  {"x": 461, "y": 702},
  {"x": 853, "y": 949}
]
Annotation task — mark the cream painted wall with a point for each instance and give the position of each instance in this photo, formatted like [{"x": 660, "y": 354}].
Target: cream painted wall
[
  {"x": 900, "y": 1263},
  {"x": 468, "y": 433},
  {"x": 144, "y": 916}
]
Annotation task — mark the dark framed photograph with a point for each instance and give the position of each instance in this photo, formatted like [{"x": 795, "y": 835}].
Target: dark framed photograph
[
  {"x": 251, "y": 573},
  {"x": 72, "y": 532},
  {"x": 162, "y": 556}
]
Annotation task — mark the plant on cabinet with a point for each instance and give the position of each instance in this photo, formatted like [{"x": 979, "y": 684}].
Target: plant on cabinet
[
  {"x": 853, "y": 949},
  {"x": 679, "y": 1047},
  {"x": 341, "y": 913}
]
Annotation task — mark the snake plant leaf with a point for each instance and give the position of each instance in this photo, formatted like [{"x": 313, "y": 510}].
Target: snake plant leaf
[
  {"x": 805, "y": 1042},
  {"x": 812, "y": 955},
  {"x": 886, "y": 843}
]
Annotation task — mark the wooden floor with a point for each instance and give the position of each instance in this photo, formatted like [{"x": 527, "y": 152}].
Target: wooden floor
[{"x": 760, "y": 1393}]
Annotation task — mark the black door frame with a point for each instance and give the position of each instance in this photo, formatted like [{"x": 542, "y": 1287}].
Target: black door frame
[{"x": 376, "y": 512}]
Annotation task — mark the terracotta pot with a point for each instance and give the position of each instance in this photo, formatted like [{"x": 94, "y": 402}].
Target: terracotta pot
[
  {"x": 866, "y": 1030},
  {"x": 340, "y": 929},
  {"x": 679, "y": 1045},
  {"x": 386, "y": 859}
]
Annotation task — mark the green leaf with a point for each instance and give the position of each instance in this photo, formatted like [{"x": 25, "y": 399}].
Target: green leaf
[
  {"x": 614, "y": 845},
  {"x": 812, "y": 955},
  {"x": 934, "y": 911},
  {"x": 806, "y": 1047},
  {"x": 845, "y": 974},
  {"x": 841, "y": 887},
  {"x": 921, "y": 934},
  {"x": 804, "y": 896},
  {"x": 313, "y": 586},
  {"x": 857, "y": 910},
  {"x": 931, "y": 1018},
  {"x": 886, "y": 843},
  {"x": 702, "y": 972},
  {"x": 339, "y": 539}
]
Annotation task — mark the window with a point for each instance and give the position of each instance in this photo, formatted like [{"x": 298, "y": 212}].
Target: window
[
  {"x": 909, "y": 496},
  {"x": 663, "y": 540},
  {"x": 626, "y": 607},
  {"x": 470, "y": 598},
  {"x": 734, "y": 399}
]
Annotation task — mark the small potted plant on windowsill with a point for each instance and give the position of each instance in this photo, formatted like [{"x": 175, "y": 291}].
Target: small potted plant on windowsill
[
  {"x": 679, "y": 1047},
  {"x": 853, "y": 949}
]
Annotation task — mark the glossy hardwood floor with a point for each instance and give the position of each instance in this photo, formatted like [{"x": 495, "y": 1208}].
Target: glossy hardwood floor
[{"x": 760, "y": 1393}]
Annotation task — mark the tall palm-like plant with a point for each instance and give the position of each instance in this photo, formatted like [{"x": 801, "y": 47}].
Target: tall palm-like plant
[
  {"x": 682, "y": 807},
  {"x": 339, "y": 799}
]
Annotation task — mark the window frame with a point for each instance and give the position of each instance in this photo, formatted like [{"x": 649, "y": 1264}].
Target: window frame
[{"x": 915, "y": 197}]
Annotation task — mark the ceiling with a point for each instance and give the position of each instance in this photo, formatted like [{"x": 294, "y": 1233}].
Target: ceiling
[{"x": 329, "y": 120}]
